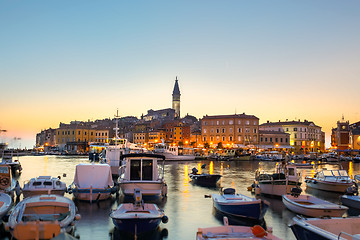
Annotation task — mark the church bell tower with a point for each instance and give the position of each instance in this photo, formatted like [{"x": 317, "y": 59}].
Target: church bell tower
[{"x": 176, "y": 99}]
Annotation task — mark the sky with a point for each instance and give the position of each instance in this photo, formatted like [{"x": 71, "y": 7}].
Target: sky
[{"x": 82, "y": 60}]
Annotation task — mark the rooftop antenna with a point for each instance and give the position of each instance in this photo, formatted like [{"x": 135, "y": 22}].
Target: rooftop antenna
[{"x": 343, "y": 117}]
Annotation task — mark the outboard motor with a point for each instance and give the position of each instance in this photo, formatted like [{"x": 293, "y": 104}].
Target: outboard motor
[
  {"x": 137, "y": 196},
  {"x": 194, "y": 171},
  {"x": 296, "y": 191}
]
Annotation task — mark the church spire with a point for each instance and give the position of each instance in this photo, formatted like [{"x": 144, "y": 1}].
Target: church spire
[{"x": 176, "y": 99}]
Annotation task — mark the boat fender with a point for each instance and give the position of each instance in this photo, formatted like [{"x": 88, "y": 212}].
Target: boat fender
[
  {"x": 164, "y": 219},
  {"x": 258, "y": 231}
]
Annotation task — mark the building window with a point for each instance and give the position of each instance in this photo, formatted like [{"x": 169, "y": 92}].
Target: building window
[
  {"x": 239, "y": 130},
  {"x": 295, "y": 129},
  {"x": 230, "y": 130},
  {"x": 212, "y": 130},
  {"x": 271, "y": 139},
  {"x": 223, "y": 130},
  {"x": 295, "y": 135},
  {"x": 217, "y": 138},
  {"x": 247, "y": 130},
  {"x": 281, "y": 140},
  {"x": 247, "y": 122},
  {"x": 286, "y": 140},
  {"x": 239, "y": 138},
  {"x": 255, "y": 122},
  {"x": 204, "y": 139},
  {"x": 217, "y": 130},
  {"x": 223, "y": 138},
  {"x": 254, "y": 130},
  {"x": 261, "y": 139},
  {"x": 230, "y": 139},
  {"x": 217, "y": 122},
  {"x": 239, "y": 122},
  {"x": 211, "y": 138},
  {"x": 265, "y": 139},
  {"x": 231, "y": 122},
  {"x": 276, "y": 140},
  {"x": 212, "y": 123},
  {"x": 204, "y": 130},
  {"x": 287, "y": 129}
]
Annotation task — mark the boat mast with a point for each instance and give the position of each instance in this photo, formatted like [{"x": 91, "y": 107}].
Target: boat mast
[{"x": 117, "y": 127}]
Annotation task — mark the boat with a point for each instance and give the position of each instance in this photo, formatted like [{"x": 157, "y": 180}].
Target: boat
[
  {"x": 142, "y": 171},
  {"x": 44, "y": 185},
  {"x": 174, "y": 153},
  {"x": 7, "y": 183},
  {"x": 92, "y": 182},
  {"x": 356, "y": 158},
  {"x": 204, "y": 179},
  {"x": 228, "y": 232},
  {"x": 325, "y": 228},
  {"x": 330, "y": 157},
  {"x": 351, "y": 201},
  {"x": 330, "y": 180},
  {"x": 312, "y": 206},
  {"x": 7, "y": 159},
  {"x": 42, "y": 217},
  {"x": 279, "y": 183},
  {"x": 5, "y": 204},
  {"x": 138, "y": 217},
  {"x": 238, "y": 205}
]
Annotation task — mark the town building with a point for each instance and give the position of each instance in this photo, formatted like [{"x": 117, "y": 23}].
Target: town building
[
  {"x": 274, "y": 140},
  {"x": 304, "y": 136},
  {"x": 237, "y": 130},
  {"x": 340, "y": 136}
]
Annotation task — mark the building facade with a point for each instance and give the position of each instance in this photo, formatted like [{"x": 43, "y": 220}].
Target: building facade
[
  {"x": 274, "y": 140},
  {"x": 304, "y": 136},
  {"x": 176, "y": 99},
  {"x": 238, "y": 130}
]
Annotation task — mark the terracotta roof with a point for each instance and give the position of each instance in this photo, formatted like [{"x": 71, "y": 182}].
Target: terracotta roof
[
  {"x": 289, "y": 123},
  {"x": 245, "y": 116}
]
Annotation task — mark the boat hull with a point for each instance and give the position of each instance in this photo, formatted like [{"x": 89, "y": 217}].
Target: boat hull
[
  {"x": 313, "y": 207},
  {"x": 205, "y": 179},
  {"x": 136, "y": 226},
  {"x": 91, "y": 194},
  {"x": 277, "y": 187},
  {"x": 149, "y": 189},
  {"x": 5, "y": 204},
  {"x": 31, "y": 193},
  {"x": 328, "y": 186},
  {"x": 244, "y": 210},
  {"x": 351, "y": 201}
]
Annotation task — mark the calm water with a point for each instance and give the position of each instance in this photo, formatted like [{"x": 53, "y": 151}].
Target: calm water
[{"x": 185, "y": 205}]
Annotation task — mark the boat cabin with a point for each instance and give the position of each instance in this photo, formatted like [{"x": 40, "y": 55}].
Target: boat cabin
[
  {"x": 141, "y": 167},
  {"x": 333, "y": 176}
]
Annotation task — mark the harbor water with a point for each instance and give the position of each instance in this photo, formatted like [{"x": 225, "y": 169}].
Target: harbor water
[{"x": 185, "y": 205}]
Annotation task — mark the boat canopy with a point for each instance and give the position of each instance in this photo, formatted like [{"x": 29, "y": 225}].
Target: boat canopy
[
  {"x": 334, "y": 173},
  {"x": 93, "y": 175}
]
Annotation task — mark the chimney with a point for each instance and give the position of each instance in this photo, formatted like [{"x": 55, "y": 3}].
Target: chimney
[{"x": 268, "y": 121}]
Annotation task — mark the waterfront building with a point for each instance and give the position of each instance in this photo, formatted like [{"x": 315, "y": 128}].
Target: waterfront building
[
  {"x": 355, "y": 139},
  {"x": 238, "y": 130},
  {"x": 176, "y": 99},
  {"x": 304, "y": 136},
  {"x": 274, "y": 140},
  {"x": 167, "y": 114},
  {"x": 46, "y": 138},
  {"x": 340, "y": 136},
  {"x": 141, "y": 138}
]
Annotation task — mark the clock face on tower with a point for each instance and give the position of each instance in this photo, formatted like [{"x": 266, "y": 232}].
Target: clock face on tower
[{"x": 343, "y": 127}]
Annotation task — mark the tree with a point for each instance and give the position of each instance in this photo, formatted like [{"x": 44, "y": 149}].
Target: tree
[
  {"x": 206, "y": 145},
  {"x": 220, "y": 145}
]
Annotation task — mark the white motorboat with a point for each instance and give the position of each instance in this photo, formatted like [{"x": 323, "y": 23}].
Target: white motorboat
[
  {"x": 92, "y": 182},
  {"x": 356, "y": 158},
  {"x": 279, "y": 183},
  {"x": 228, "y": 232},
  {"x": 173, "y": 153},
  {"x": 42, "y": 217},
  {"x": 5, "y": 204},
  {"x": 138, "y": 217},
  {"x": 351, "y": 201},
  {"x": 8, "y": 159},
  {"x": 312, "y": 206},
  {"x": 142, "y": 171},
  {"x": 326, "y": 228},
  {"x": 330, "y": 180},
  {"x": 44, "y": 185}
]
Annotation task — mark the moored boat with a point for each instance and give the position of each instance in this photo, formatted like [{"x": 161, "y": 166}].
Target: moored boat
[
  {"x": 351, "y": 201},
  {"x": 139, "y": 217},
  {"x": 279, "y": 183},
  {"x": 174, "y": 153},
  {"x": 92, "y": 182},
  {"x": 5, "y": 204},
  {"x": 312, "y": 206},
  {"x": 330, "y": 180},
  {"x": 44, "y": 185},
  {"x": 42, "y": 217},
  {"x": 325, "y": 228},
  {"x": 8, "y": 159},
  {"x": 142, "y": 171},
  {"x": 234, "y": 232},
  {"x": 204, "y": 179},
  {"x": 238, "y": 205}
]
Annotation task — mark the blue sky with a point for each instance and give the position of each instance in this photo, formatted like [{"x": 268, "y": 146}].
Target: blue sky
[{"x": 79, "y": 60}]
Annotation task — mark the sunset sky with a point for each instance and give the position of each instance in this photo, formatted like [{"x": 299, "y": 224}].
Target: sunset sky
[{"x": 78, "y": 60}]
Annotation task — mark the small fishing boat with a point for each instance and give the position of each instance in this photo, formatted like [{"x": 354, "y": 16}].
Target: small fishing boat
[
  {"x": 44, "y": 185},
  {"x": 325, "y": 228},
  {"x": 5, "y": 204},
  {"x": 330, "y": 180},
  {"x": 234, "y": 232},
  {"x": 42, "y": 217},
  {"x": 204, "y": 179},
  {"x": 312, "y": 206},
  {"x": 238, "y": 205},
  {"x": 139, "y": 217},
  {"x": 7, "y": 158},
  {"x": 279, "y": 183},
  {"x": 142, "y": 171},
  {"x": 351, "y": 201},
  {"x": 92, "y": 182}
]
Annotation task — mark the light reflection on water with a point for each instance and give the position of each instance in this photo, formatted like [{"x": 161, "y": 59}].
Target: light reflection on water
[{"x": 185, "y": 205}]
